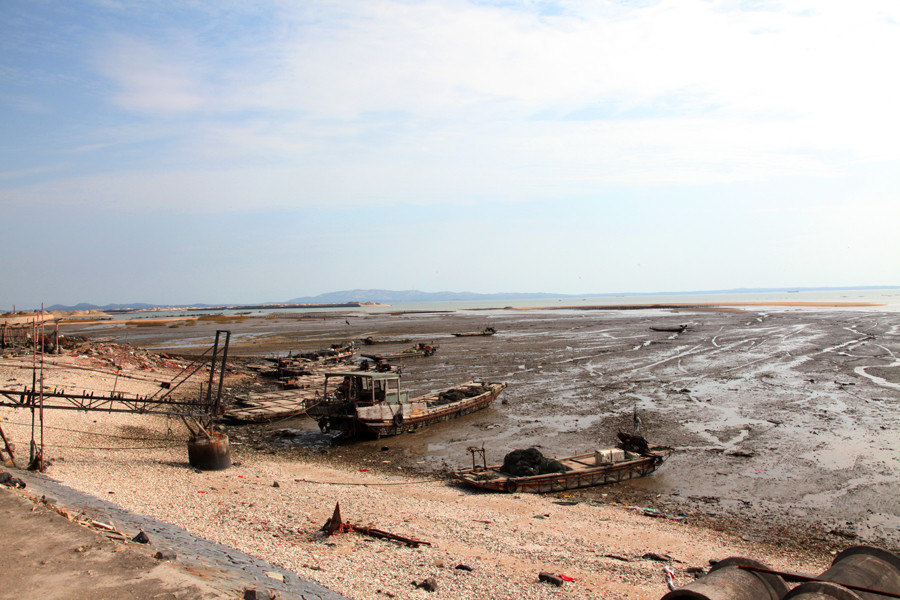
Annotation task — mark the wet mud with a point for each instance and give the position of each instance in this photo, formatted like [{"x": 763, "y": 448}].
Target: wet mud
[{"x": 785, "y": 421}]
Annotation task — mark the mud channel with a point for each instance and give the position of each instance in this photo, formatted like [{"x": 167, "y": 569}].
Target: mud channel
[{"x": 785, "y": 420}]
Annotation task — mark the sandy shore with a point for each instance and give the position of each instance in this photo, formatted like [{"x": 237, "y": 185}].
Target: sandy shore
[{"x": 139, "y": 462}]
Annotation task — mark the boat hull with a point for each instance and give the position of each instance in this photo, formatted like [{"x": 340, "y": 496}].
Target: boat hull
[
  {"x": 492, "y": 479},
  {"x": 417, "y": 414}
]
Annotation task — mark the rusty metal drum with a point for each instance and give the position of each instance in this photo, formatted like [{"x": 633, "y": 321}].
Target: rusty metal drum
[
  {"x": 866, "y": 567},
  {"x": 210, "y": 454},
  {"x": 821, "y": 590},
  {"x": 727, "y": 581}
]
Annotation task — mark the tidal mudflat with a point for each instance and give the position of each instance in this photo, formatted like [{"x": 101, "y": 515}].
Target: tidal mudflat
[{"x": 784, "y": 418}]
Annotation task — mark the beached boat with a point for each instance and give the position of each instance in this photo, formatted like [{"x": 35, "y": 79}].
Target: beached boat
[
  {"x": 420, "y": 350},
  {"x": 671, "y": 329},
  {"x": 371, "y": 341},
  {"x": 608, "y": 465},
  {"x": 370, "y": 403},
  {"x": 484, "y": 332}
]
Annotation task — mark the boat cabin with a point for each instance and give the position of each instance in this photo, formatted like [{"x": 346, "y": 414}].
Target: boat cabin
[{"x": 366, "y": 388}]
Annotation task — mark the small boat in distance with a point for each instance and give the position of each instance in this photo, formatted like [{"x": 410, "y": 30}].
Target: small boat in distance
[
  {"x": 608, "y": 465},
  {"x": 371, "y": 404},
  {"x": 420, "y": 350},
  {"x": 371, "y": 341},
  {"x": 484, "y": 332}
]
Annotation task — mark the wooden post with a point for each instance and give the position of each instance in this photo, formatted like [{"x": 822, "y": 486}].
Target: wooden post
[{"x": 9, "y": 450}]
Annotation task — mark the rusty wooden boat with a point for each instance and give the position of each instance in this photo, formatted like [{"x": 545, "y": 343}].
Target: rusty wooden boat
[
  {"x": 371, "y": 341},
  {"x": 420, "y": 350},
  {"x": 607, "y": 465},
  {"x": 371, "y": 404},
  {"x": 487, "y": 331}
]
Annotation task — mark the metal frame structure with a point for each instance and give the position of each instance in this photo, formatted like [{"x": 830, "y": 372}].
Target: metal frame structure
[{"x": 203, "y": 409}]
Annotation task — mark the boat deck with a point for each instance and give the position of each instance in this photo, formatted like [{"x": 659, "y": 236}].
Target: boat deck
[{"x": 258, "y": 407}]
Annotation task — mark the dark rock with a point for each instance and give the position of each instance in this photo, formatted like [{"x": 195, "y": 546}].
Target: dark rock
[
  {"x": 165, "y": 555},
  {"x": 656, "y": 557},
  {"x": 463, "y": 567},
  {"x": 275, "y": 484},
  {"x": 428, "y": 584}
]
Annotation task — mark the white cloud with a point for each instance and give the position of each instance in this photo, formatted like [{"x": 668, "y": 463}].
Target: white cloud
[
  {"x": 153, "y": 77},
  {"x": 445, "y": 101}
]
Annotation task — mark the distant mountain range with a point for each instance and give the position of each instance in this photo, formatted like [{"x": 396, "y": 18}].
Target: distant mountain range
[
  {"x": 390, "y": 296},
  {"x": 86, "y": 306},
  {"x": 395, "y": 296}
]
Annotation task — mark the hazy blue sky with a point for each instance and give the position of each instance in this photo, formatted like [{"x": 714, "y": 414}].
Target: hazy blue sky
[{"x": 256, "y": 151}]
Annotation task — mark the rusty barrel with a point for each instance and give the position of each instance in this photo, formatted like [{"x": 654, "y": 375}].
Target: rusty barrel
[
  {"x": 821, "y": 590},
  {"x": 727, "y": 581},
  {"x": 210, "y": 454},
  {"x": 862, "y": 566}
]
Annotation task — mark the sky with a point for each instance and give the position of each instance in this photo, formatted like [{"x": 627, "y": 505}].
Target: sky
[{"x": 240, "y": 152}]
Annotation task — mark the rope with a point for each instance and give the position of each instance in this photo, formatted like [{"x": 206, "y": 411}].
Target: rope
[
  {"x": 367, "y": 484},
  {"x": 112, "y": 435},
  {"x": 109, "y": 448}
]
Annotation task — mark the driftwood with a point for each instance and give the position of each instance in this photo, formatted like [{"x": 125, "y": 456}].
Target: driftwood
[{"x": 336, "y": 525}]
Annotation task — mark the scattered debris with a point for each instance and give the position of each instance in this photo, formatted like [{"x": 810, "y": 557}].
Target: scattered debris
[
  {"x": 670, "y": 578},
  {"x": 658, "y": 557},
  {"x": 617, "y": 557},
  {"x": 141, "y": 538},
  {"x": 336, "y": 525},
  {"x": 740, "y": 453},
  {"x": 8, "y": 480},
  {"x": 550, "y": 578},
  {"x": 251, "y": 594}
]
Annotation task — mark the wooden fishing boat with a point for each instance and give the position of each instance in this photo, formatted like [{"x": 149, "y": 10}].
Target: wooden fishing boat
[
  {"x": 484, "y": 332},
  {"x": 420, "y": 350},
  {"x": 371, "y": 404},
  {"x": 371, "y": 341},
  {"x": 608, "y": 465}
]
